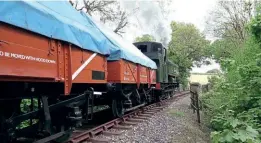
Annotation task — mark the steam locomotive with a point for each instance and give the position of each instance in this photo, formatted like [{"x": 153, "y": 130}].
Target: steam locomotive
[{"x": 57, "y": 64}]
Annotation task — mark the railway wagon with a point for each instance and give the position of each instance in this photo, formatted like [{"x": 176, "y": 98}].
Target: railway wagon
[
  {"x": 32, "y": 58},
  {"x": 53, "y": 63},
  {"x": 166, "y": 74},
  {"x": 132, "y": 84}
]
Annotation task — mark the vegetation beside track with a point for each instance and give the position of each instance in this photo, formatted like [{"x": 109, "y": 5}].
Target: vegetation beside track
[{"x": 234, "y": 103}]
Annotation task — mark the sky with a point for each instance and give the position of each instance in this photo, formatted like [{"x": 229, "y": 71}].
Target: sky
[{"x": 149, "y": 19}]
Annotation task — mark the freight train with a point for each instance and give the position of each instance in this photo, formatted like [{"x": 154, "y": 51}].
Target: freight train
[{"x": 57, "y": 63}]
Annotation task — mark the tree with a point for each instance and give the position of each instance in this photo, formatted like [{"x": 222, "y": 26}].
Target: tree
[
  {"x": 229, "y": 20},
  {"x": 221, "y": 49},
  {"x": 109, "y": 12},
  {"x": 188, "y": 41},
  {"x": 145, "y": 38},
  {"x": 187, "y": 47}
]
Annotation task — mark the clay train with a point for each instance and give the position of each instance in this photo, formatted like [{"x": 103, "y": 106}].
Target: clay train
[{"x": 57, "y": 63}]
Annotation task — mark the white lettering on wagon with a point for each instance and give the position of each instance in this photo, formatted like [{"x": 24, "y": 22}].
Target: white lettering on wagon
[
  {"x": 1, "y": 53},
  {"x": 125, "y": 78},
  {"x": 25, "y": 57}
]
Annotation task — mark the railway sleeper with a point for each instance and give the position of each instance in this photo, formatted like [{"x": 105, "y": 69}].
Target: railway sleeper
[
  {"x": 122, "y": 127},
  {"x": 129, "y": 123},
  {"x": 98, "y": 140},
  {"x": 109, "y": 133}
]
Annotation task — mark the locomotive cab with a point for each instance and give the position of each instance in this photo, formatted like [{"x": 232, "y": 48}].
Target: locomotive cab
[{"x": 167, "y": 71}]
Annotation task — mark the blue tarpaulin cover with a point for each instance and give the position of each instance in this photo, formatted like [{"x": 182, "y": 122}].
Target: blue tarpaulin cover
[
  {"x": 59, "y": 20},
  {"x": 126, "y": 49}
]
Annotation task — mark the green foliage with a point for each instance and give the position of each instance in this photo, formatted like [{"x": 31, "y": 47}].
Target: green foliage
[
  {"x": 255, "y": 24},
  {"x": 235, "y": 131},
  {"x": 25, "y": 107},
  {"x": 187, "y": 40},
  {"x": 234, "y": 104},
  {"x": 145, "y": 38},
  {"x": 213, "y": 80},
  {"x": 187, "y": 46},
  {"x": 220, "y": 49}
]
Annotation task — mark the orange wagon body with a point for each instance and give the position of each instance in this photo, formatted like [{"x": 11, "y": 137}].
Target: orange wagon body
[
  {"x": 122, "y": 71},
  {"x": 152, "y": 76},
  {"x": 142, "y": 74},
  {"x": 26, "y": 56}
]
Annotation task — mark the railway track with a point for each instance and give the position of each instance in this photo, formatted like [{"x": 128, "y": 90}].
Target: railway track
[{"x": 124, "y": 123}]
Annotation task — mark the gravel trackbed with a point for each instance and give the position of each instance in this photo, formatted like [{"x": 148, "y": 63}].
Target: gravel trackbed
[{"x": 175, "y": 124}]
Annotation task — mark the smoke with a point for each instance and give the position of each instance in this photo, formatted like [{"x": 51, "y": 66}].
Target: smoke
[{"x": 149, "y": 16}]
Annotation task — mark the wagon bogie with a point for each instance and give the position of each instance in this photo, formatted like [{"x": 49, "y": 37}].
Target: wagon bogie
[{"x": 131, "y": 84}]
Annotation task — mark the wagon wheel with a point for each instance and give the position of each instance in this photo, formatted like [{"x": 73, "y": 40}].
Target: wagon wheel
[
  {"x": 117, "y": 108},
  {"x": 160, "y": 97}
]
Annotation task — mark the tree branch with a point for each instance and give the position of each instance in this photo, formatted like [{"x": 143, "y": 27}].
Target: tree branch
[{"x": 108, "y": 11}]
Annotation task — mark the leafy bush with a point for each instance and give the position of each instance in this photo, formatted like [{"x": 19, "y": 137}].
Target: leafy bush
[
  {"x": 234, "y": 103},
  {"x": 25, "y": 107}
]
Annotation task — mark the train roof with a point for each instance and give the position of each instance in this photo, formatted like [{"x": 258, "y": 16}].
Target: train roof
[{"x": 59, "y": 20}]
